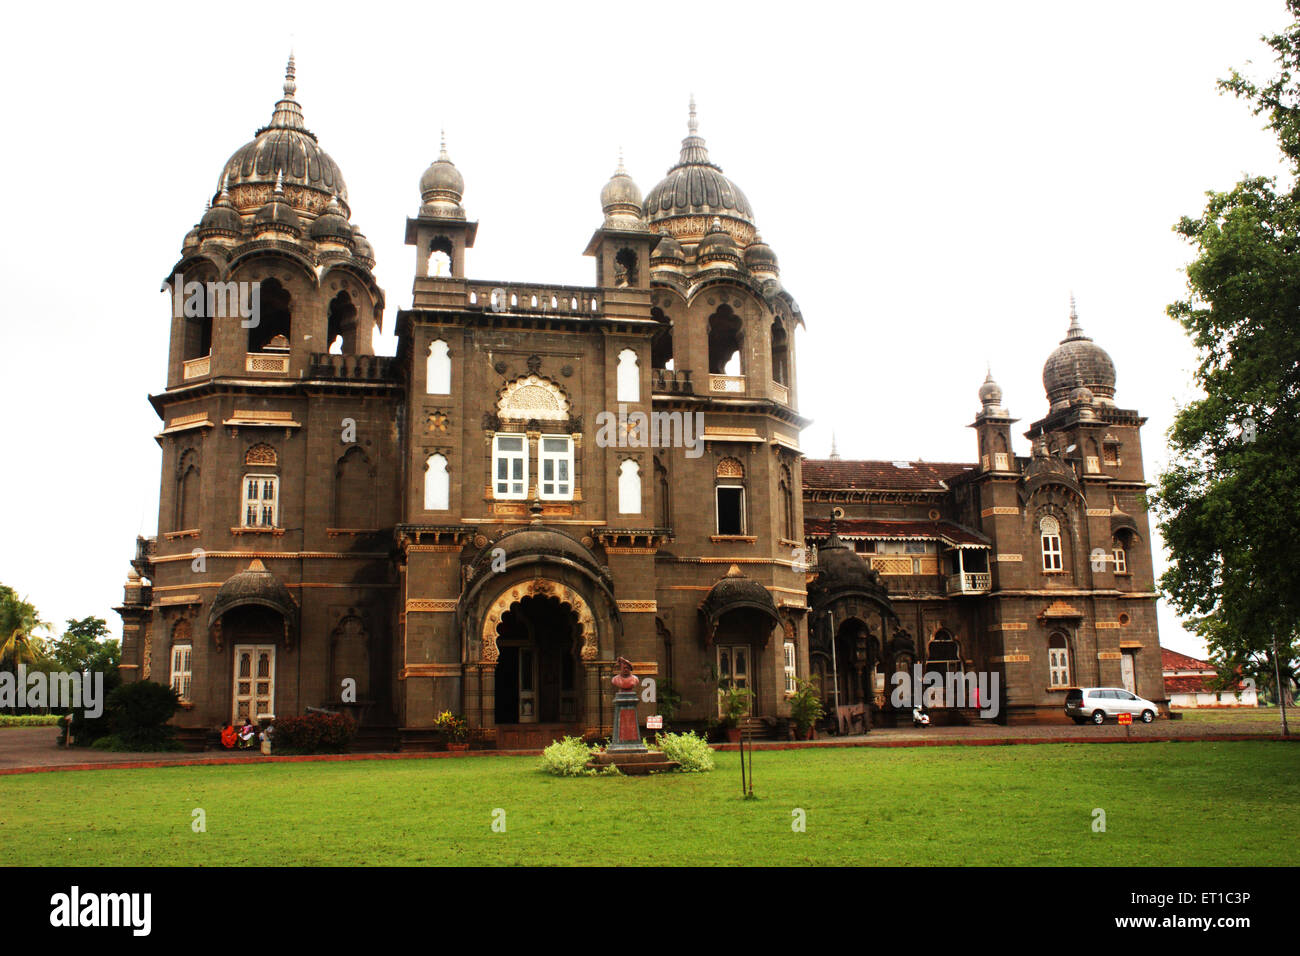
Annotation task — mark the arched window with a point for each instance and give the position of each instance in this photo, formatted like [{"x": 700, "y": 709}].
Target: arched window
[
  {"x": 629, "y": 488},
  {"x": 725, "y": 339},
  {"x": 1120, "y": 546},
  {"x": 780, "y": 354},
  {"x": 729, "y": 495},
  {"x": 663, "y": 504},
  {"x": 341, "y": 325},
  {"x": 437, "y": 484},
  {"x": 625, "y": 271},
  {"x": 943, "y": 654},
  {"x": 354, "y": 497},
  {"x": 439, "y": 262},
  {"x": 274, "y": 327},
  {"x": 1058, "y": 660},
  {"x": 661, "y": 345},
  {"x": 629, "y": 377},
  {"x": 187, "y": 493},
  {"x": 350, "y": 658},
  {"x": 182, "y": 662},
  {"x": 437, "y": 372},
  {"x": 1049, "y": 530},
  {"x": 787, "y": 505}
]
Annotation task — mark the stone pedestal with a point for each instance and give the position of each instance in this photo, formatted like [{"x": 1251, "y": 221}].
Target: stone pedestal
[{"x": 626, "y": 737}]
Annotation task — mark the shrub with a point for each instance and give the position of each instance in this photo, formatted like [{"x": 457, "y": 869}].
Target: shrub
[
  {"x": 568, "y": 758},
  {"x": 313, "y": 733},
  {"x": 138, "y": 714},
  {"x": 691, "y": 751},
  {"x": 805, "y": 706},
  {"x": 29, "y": 720}
]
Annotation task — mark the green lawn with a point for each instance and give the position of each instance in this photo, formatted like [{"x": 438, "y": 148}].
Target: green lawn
[
  {"x": 1256, "y": 717},
  {"x": 1166, "y": 803}
]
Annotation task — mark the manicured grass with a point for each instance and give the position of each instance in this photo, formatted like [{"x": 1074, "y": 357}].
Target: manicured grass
[
  {"x": 29, "y": 720},
  {"x": 1165, "y": 804},
  {"x": 1256, "y": 717}
]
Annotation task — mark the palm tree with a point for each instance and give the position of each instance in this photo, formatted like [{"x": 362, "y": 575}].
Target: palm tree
[{"x": 19, "y": 622}]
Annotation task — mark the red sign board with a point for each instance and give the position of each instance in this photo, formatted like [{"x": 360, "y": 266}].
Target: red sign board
[
  {"x": 1126, "y": 718},
  {"x": 654, "y": 722}
]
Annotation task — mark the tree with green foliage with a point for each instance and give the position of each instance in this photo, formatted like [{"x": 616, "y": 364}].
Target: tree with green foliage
[
  {"x": 83, "y": 647},
  {"x": 20, "y": 640},
  {"x": 1229, "y": 502}
]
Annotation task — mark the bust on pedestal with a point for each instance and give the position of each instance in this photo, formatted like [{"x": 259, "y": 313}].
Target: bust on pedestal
[{"x": 627, "y": 732}]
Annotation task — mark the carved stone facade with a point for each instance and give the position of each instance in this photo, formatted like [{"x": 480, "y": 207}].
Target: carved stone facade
[{"x": 544, "y": 479}]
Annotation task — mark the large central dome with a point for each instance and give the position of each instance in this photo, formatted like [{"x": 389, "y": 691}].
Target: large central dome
[
  {"x": 284, "y": 150},
  {"x": 694, "y": 193}
]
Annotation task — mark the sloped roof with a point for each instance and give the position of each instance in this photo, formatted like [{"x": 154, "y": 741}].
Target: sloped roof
[
  {"x": 889, "y": 529},
  {"x": 1173, "y": 661},
  {"x": 824, "y": 474}
]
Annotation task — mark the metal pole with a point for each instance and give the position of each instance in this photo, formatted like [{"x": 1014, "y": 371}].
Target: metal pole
[
  {"x": 835, "y": 669},
  {"x": 751, "y": 767},
  {"x": 1281, "y": 695}
]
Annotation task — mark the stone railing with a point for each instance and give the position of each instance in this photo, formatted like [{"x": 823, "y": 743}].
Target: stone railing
[
  {"x": 729, "y": 384},
  {"x": 258, "y": 362},
  {"x": 197, "y": 368},
  {"x": 356, "y": 368},
  {"x": 671, "y": 381},
  {"x": 533, "y": 299},
  {"x": 781, "y": 393}
]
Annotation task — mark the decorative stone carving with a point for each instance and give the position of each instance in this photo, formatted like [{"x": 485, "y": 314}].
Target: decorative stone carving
[
  {"x": 533, "y": 398},
  {"x": 261, "y": 454},
  {"x": 539, "y": 587}
]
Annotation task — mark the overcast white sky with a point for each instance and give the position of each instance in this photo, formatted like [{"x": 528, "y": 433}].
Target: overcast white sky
[{"x": 935, "y": 178}]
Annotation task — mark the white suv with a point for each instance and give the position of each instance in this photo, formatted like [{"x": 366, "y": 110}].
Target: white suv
[{"x": 1098, "y": 703}]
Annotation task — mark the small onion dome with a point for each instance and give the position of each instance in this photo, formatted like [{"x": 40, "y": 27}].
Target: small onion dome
[
  {"x": 1078, "y": 361},
  {"x": 717, "y": 247},
  {"x": 277, "y": 215},
  {"x": 759, "y": 257},
  {"x": 668, "y": 252},
  {"x": 222, "y": 220},
  {"x": 1081, "y": 398},
  {"x": 442, "y": 187},
  {"x": 332, "y": 226},
  {"x": 191, "y": 240},
  {"x": 620, "y": 200},
  {"x": 362, "y": 250},
  {"x": 990, "y": 393}
]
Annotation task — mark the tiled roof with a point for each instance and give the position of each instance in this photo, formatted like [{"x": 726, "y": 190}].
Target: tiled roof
[
  {"x": 822, "y": 474},
  {"x": 1196, "y": 685},
  {"x": 1173, "y": 661},
  {"x": 886, "y": 529}
]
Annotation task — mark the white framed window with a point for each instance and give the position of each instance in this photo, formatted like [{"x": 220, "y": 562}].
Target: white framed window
[
  {"x": 1050, "y": 530},
  {"x": 629, "y": 488},
  {"x": 261, "y": 501},
  {"x": 555, "y": 467},
  {"x": 437, "y": 484},
  {"x": 438, "y": 369},
  {"x": 731, "y": 509},
  {"x": 1058, "y": 661},
  {"x": 790, "y": 686},
  {"x": 182, "y": 670},
  {"x": 510, "y": 466},
  {"x": 1121, "y": 560}
]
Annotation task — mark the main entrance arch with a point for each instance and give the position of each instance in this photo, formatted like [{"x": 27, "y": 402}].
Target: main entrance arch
[{"x": 539, "y": 673}]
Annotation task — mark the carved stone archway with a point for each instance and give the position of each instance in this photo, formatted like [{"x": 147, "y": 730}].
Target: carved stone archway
[{"x": 540, "y": 587}]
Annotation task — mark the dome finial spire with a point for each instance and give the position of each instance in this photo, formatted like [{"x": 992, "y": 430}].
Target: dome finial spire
[
  {"x": 290, "y": 85},
  {"x": 693, "y": 124},
  {"x": 442, "y": 148},
  {"x": 1076, "y": 330},
  {"x": 835, "y": 452}
]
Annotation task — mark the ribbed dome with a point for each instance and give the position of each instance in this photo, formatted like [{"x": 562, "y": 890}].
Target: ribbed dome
[
  {"x": 331, "y": 226},
  {"x": 990, "y": 392},
  {"x": 668, "y": 250},
  {"x": 620, "y": 193},
  {"x": 1078, "y": 361},
  {"x": 442, "y": 187},
  {"x": 222, "y": 219},
  {"x": 695, "y": 191},
  {"x": 362, "y": 249},
  {"x": 717, "y": 246},
  {"x": 277, "y": 215},
  {"x": 759, "y": 256},
  {"x": 285, "y": 148}
]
